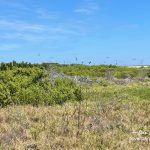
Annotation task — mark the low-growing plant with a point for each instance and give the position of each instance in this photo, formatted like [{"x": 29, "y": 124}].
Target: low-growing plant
[{"x": 32, "y": 86}]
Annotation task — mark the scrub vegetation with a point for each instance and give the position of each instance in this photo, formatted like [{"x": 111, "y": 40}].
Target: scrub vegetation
[{"x": 41, "y": 111}]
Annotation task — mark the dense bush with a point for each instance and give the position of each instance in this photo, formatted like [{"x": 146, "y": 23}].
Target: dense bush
[
  {"x": 31, "y": 85},
  {"x": 81, "y": 70},
  {"x": 96, "y": 70},
  {"x": 26, "y": 83}
]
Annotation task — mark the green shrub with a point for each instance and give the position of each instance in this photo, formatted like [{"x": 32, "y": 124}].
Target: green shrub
[
  {"x": 32, "y": 86},
  {"x": 65, "y": 90}
]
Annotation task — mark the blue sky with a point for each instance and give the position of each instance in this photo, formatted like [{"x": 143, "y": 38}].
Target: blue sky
[{"x": 100, "y": 31}]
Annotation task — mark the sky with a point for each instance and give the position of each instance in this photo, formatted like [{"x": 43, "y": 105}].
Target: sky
[{"x": 75, "y": 31}]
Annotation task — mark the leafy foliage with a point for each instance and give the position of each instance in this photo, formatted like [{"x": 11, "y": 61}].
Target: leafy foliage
[
  {"x": 96, "y": 70},
  {"x": 29, "y": 84},
  {"x": 26, "y": 83}
]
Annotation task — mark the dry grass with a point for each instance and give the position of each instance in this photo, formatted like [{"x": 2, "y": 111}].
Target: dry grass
[{"x": 75, "y": 126}]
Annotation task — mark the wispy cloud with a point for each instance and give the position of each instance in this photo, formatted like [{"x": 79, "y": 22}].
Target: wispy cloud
[
  {"x": 21, "y": 26},
  {"x": 88, "y": 7},
  {"x": 44, "y": 28},
  {"x": 32, "y": 32}
]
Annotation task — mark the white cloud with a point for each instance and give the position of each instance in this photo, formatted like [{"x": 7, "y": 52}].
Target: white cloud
[
  {"x": 63, "y": 28},
  {"x": 88, "y": 7},
  {"x": 37, "y": 33},
  {"x": 83, "y": 10},
  {"x": 51, "y": 31},
  {"x": 21, "y": 26}
]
